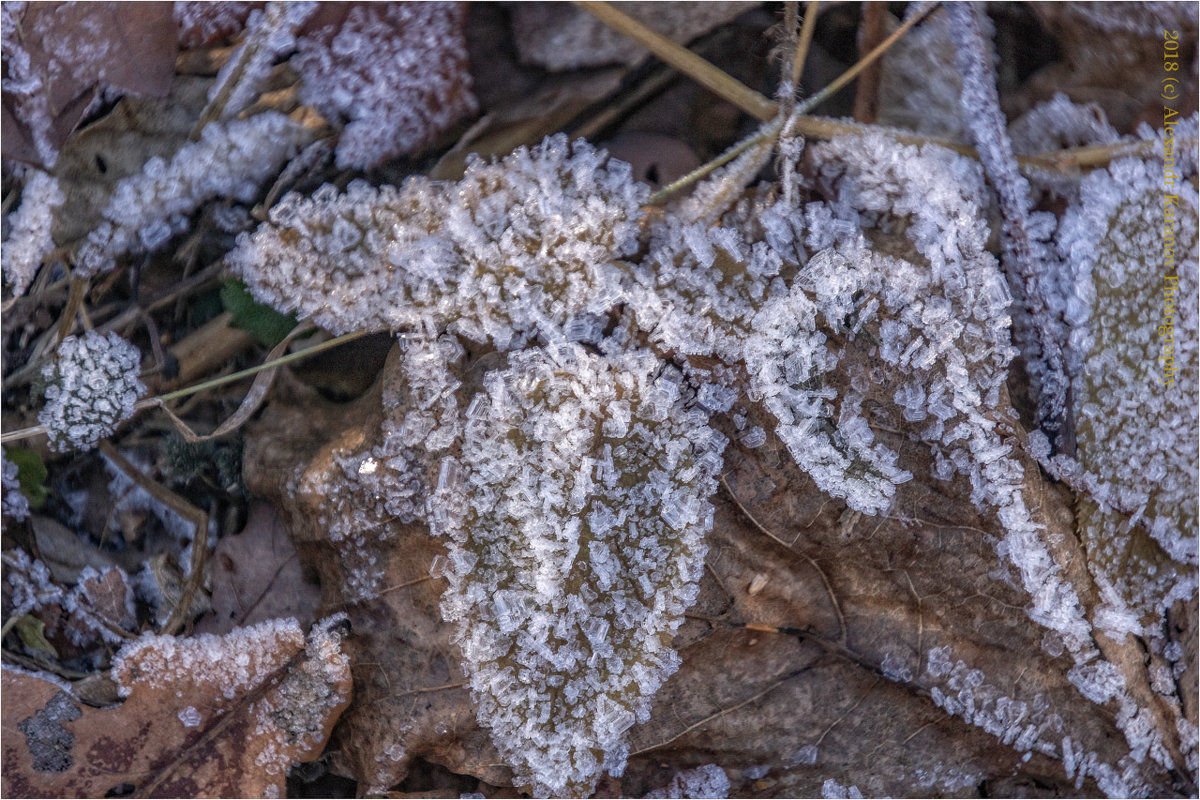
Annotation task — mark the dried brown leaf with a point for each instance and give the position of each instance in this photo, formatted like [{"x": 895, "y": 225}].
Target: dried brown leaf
[
  {"x": 256, "y": 576},
  {"x": 825, "y": 644},
  {"x": 60, "y": 53},
  {"x": 204, "y": 717}
]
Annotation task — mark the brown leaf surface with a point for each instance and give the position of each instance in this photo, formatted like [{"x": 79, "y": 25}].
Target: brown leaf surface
[
  {"x": 257, "y": 576},
  {"x": 68, "y": 49},
  {"x": 204, "y": 717},
  {"x": 825, "y": 645}
]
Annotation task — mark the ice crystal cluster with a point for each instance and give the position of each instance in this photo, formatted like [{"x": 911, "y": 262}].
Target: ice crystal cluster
[
  {"x": 576, "y": 517},
  {"x": 230, "y": 160},
  {"x": 397, "y": 72},
  {"x": 91, "y": 387},
  {"x": 15, "y": 504},
  {"x": 30, "y": 241},
  {"x": 513, "y": 250}
]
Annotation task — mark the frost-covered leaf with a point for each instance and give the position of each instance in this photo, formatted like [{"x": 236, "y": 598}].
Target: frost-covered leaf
[
  {"x": 395, "y": 72},
  {"x": 206, "y": 716},
  {"x": 516, "y": 249},
  {"x": 57, "y": 54},
  {"x": 780, "y": 713},
  {"x": 576, "y": 519},
  {"x": 1133, "y": 357}
]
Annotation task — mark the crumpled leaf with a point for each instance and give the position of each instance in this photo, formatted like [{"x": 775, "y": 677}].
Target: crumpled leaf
[
  {"x": 891, "y": 653},
  {"x": 57, "y": 54},
  {"x": 257, "y": 576},
  {"x": 209, "y": 716},
  {"x": 560, "y": 37}
]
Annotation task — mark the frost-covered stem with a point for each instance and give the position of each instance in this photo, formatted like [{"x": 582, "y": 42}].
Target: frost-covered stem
[
  {"x": 153, "y": 402},
  {"x": 683, "y": 60},
  {"x": 981, "y": 106},
  {"x": 765, "y": 133},
  {"x": 252, "y": 59}
]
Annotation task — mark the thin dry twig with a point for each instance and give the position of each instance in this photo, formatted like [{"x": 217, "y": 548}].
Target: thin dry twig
[{"x": 684, "y": 60}]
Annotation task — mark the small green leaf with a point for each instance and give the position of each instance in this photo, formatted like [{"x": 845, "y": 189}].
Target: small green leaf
[
  {"x": 31, "y": 473},
  {"x": 33, "y": 635},
  {"x": 262, "y": 322}
]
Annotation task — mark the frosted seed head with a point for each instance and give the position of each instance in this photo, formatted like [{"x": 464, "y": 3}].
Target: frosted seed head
[{"x": 92, "y": 386}]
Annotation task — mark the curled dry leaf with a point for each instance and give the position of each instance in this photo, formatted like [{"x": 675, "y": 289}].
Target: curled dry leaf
[
  {"x": 209, "y": 716},
  {"x": 256, "y": 576}
]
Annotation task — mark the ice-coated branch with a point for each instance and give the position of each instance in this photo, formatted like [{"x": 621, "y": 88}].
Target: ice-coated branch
[{"x": 1025, "y": 255}]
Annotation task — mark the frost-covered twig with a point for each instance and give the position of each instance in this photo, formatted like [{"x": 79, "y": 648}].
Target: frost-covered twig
[
  {"x": 270, "y": 32},
  {"x": 1026, "y": 256},
  {"x": 231, "y": 160}
]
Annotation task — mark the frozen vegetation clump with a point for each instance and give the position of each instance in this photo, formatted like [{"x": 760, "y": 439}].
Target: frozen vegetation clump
[
  {"x": 575, "y": 517},
  {"x": 514, "y": 250},
  {"x": 232, "y": 159},
  {"x": 91, "y": 387},
  {"x": 29, "y": 240}
]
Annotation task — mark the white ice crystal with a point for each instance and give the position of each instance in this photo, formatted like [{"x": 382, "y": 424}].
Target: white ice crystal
[
  {"x": 231, "y": 160},
  {"x": 91, "y": 387},
  {"x": 29, "y": 578},
  {"x": 575, "y": 521},
  {"x": 514, "y": 250},
  {"x": 706, "y": 781},
  {"x": 15, "y": 504},
  {"x": 29, "y": 239}
]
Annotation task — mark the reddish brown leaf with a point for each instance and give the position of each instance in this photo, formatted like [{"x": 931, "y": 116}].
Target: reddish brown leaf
[{"x": 204, "y": 717}]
